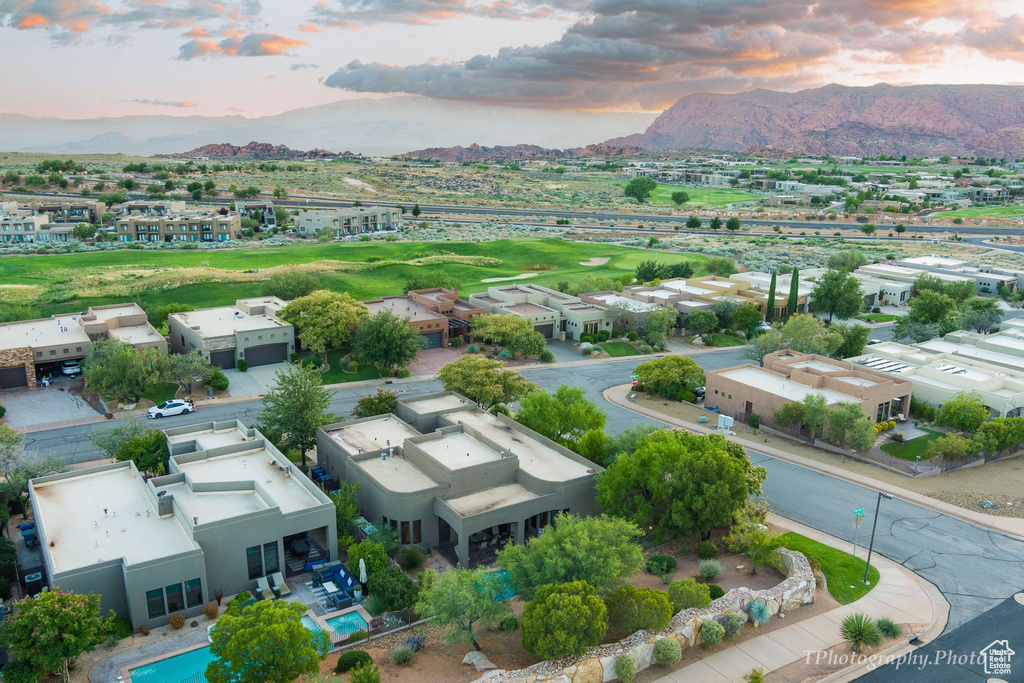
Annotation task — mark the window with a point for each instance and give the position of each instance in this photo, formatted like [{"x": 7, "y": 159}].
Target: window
[
  {"x": 175, "y": 598},
  {"x": 254, "y": 560},
  {"x": 405, "y": 532},
  {"x": 78, "y": 349},
  {"x": 155, "y": 600},
  {"x": 416, "y": 538},
  {"x": 194, "y": 592},
  {"x": 270, "y": 559},
  {"x": 53, "y": 352}
]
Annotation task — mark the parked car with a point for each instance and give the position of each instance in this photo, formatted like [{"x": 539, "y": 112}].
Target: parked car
[
  {"x": 70, "y": 367},
  {"x": 699, "y": 392},
  {"x": 872, "y": 342},
  {"x": 763, "y": 326},
  {"x": 174, "y": 407}
]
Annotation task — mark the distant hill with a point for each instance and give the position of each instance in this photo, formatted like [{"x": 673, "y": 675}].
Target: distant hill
[
  {"x": 253, "y": 150},
  {"x": 919, "y": 120},
  {"x": 501, "y": 153}
]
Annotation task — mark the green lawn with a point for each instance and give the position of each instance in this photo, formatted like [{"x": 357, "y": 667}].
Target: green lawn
[
  {"x": 67, "y": 279},
  {"x": 723, "y": 340},
  {"x": 985, "y": 212},
  {"x": 912, "y": 449},
  {"x": 338, "y": 372},
  {"x": 699, "y": 196},
  {"x": 619, "y": 348},
  {"x": 843, "y": 572},
  {"x": 164, "y": 391},
  {"x": 878, "y": 318}
]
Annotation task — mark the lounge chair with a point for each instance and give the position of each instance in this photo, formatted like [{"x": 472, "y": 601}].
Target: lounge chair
[
  {"x": 263, "y": 589},
  {"x": 280, "y": 585}
]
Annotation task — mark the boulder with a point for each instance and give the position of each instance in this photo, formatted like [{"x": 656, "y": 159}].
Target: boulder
[
  {"x": 472, "y": 657},
  {"x": 589, "y": 671},
  {"x": 643, "y": 654}
]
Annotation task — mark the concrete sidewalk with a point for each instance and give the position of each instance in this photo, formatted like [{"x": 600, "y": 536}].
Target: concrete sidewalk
[
  {"x": 901, "y": 595},
  {"x": 1010, "y": 526}
]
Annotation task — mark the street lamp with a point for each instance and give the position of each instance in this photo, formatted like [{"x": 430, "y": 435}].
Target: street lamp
[{"x": 874, "y": 525}]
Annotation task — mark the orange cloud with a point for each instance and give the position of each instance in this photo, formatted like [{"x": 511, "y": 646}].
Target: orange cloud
[
  {"x": 33, "y": 21},
  {"x": 309, "y": 27}
]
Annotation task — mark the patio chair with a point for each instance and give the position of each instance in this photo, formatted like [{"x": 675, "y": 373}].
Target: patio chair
[
  {"x": 280, "y": 585},
  {"x": 263, "y": 589}
]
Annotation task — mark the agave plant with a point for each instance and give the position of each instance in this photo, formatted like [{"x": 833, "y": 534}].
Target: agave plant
[
  {"x": 758, "y": 611},
  {"x": 860, "y": 630}
]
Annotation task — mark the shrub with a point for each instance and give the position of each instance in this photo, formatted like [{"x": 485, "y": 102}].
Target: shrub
[
  {"x": 216, "y": 380},
  {"x": 505, "y": 354},
  {"x": 625, "y": 668},
  {"x": 473, "y": 348},
  {"x": 603, "y": 335},
  {"x": 242, "y": 365},
  {"x": 177, "y": 620},
  {"x": 415, "y": 642},
  {"x": 645, "y": 348},
  {"x": 357, "y": 636},
  {"x": 668, "y": 652},
  {"x": 755, "y": 676},
  {"x": 394, "y": 588},
  {"x": 376, "y": 604},
  {"x": 711, "y": 632},
  {"x": 635, "y": 608},
  {"x": 508, "y": 623},
  {"x": 365, "y": 673},
  {"x": 860, "y": 630},
  {"x": 707, "y": 550},
  {"x": 703, "y": 419},
  {"x": 584, "y": 338},
  {"x": 733, "y": 623},
  {"x": 631, "y": 335},
  {"x": 661, "y": 564},
  {"x": 143, "y": 631},
  {"x": 889, "y": 628},
  {"x": 758, "y": 611},
  {"x": 876, "y": 309},
  {"x": 403, "y": 373},
  {"x": 709, "y": 570},
  {"x": 19, "y": 672},
  {"x": 616, "y": 333},
  {"x": 411, "y": 559},
  {"x": 688, "y": 593},
  {"x": 5, "y": 583},
  {"x": 353, "y": 366},
  {"x": 563, "y": 619},
  {"x": 350, "y": 660},
  {"x": 456, "y": 342},
  {"x": 754, "y": 421},
  {"x": 715, "y": 591},
  {"x": 3, "y": 411},
  {"x": 546, "y": 356},
  {"x": 402, "y": 654},
  {"x": 293, "y": 357}
]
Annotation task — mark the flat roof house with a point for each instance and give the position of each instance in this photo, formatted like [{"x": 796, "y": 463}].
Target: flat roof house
[
  {"x": 224, "y": 516},
  {"x": 790, "y": 376},
  {"x": 552, "y": 313},
  {"x": 422, "y": 313},
  {"x": 187, "y": 226},
  {"x": 460, "y": 313},
  {"x": 348, "y": 221},
  {"x": 30, "y": 349},
  {"x": 252, "y": 330},
  {"x": 32, "y": 228},
  {"x": 445, "y": 474}
]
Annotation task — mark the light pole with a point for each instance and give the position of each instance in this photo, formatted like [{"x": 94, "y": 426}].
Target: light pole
[{"x": 874, "y": 525}]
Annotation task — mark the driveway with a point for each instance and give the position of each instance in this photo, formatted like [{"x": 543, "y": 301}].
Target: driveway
[
  {"x": 431, "y": 360},
  {"x": 253, "y": 381},
  {"x": 52, "y": 404},
  {"x": 564, "y": 351}
]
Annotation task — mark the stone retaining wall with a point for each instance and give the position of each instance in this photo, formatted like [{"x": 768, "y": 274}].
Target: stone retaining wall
[{"x": 597, "y": 665}]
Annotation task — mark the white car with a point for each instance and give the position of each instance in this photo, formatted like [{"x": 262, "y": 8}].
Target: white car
[
  {"x": 174, "y": 407},
  {"x": 763, "y": 326},
  {"x": 70, "y": 367}
]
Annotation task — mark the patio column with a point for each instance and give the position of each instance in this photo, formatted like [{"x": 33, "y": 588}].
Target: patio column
[
  {"x": 519, "y": 532},
  {"x": 464, "y": 551}
]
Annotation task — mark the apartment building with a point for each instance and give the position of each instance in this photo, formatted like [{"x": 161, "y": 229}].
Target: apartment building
[
  {"x": 77, "y": 211},
  {"x": 988, "y": 280},
  {"x": 445, "y": 474},
  {"x": 554, "y": 314},
  {"x": 348, "y": 221},
  {"x": 30, "y": 349},
  {"x": 25, "y": 228},
  {"x": 191, "y": 226},
  {"x": 226, "y": 515},
  {"x": 153, "y": 207},
  {"x": 251, "y": 330},
  {"x": 263, "y": 209},
  {"x": 790, "y": 376}
]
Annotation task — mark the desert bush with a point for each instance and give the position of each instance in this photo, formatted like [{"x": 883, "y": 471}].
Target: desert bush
[
  {"x": 357, "y": 636},
  {"x": 703, "y": 419},
  {"x": 733, "y": 623},
  {"x": 889, "y": 628},
  {"x": 415, "y": 642},
  {"x": 177, "y": 620},
  {"x": 546, "y": 356},
  {"x": 456, "y": 342},
  {"x": 625, "y": 668},
  {"x": 661, "y": 564},
  {"x": 668, "y": 652},
  {"x": 242, "y": 365},
  {"x": 353, "y": 366},
  {"x": 616, "y": 333},
  {"x": 586, "y": 338},
  {"x": 860, "y": 630},
  {"x": 631, "y": 335},
  {"x": 688, "y": 593},
  {"x": 402, "y": 654},
  {"x": 758, "y": 611},
  {"x": 508, "y": 623},
  {"x": 603, "y": 335},
  {"x": 350, "y": 660},
  {"x": 709, "y": 570},
  {"x": 711, "y": 632},
  {"x": 504, "y": 354},
  {"x": 365, "y": 673},
  {"x": 635, "y": 608},
  {"x": 143, "y": 631},
  {"x": 707, "y": 550},
  {"x": 715, "y": 591},
  {"x": 755, "y": 676},
  {"x": 473, "y": 348},
  {"x": 411, "y": 559}
]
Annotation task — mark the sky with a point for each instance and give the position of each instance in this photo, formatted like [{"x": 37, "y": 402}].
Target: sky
[{"x": 108, "y": 58}]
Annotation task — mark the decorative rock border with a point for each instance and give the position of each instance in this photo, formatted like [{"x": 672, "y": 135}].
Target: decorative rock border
[{"x": 597, "y": 665}]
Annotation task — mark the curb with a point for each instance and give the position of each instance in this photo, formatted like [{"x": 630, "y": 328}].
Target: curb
[{"x": 1010, "y": 526}]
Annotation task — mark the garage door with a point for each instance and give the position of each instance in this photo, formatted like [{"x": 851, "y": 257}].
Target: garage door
[
  {"x": 11, "y": 378},
  {"x": 223, "y": 359},
  {"x": 265, "y": 355},
  {"x": 433, "y": 340},
  {"x": 547, "y": 330}
]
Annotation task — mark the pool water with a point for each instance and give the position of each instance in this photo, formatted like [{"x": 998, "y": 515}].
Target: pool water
[
  {"x": 503, "y": 584},
  {"x": 308, "y": 622},
  {"x": 345, "y": 624},
  {"x": 175, "y": 669}
]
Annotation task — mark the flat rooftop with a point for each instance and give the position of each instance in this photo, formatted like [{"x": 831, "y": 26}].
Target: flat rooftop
[
  {"x": 106, "y": 313},
  {"x": 816, "y": 365},
  {"x": 627, "y": 303},
  {"x": 136, "y": 334},
  {"x": 680, "y": 286},
  {"x": 254, "y": 465},
  {"x": 403, "y": 308},
  {"x": 535, "y": 458},
  {"x": 225, "y": 320},
  {"x": 488, "y": 299},
  {"x": 372, "y": 435},
  {"x": 490, "y": 499},
  {"x": 70, "y": 513},
  {"x": 435, "y": 404},
  {"x": 46, "y": 332},
  {"x": 214, "y": 506},
  {"x": 970, "y": 351},
  {"x": 211, "y": 438},
  {"x": 782, "y": 387},
  {"x": 858, "y": 381},
  {"x": 458, "y": 450},
  {"x": 935, "y": 261},
  {"x": 397, "y": 474},
  {"x": 527, "y": 308}
]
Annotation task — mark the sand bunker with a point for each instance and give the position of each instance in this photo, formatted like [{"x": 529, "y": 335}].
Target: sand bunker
[
  {"x": 596, "y": 261},
  {"x": 521, "y": 276}
]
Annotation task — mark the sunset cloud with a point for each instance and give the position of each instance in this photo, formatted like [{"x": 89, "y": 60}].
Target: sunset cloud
[{"x": 181, "y": 104}]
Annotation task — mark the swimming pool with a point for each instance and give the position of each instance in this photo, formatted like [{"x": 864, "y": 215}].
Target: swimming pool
[
  {"x": 189, "y": 666},
  {"x": 503, "y": 583},
  {"x": 308, "y": 622},
  {"x": 345, "y": 624}
]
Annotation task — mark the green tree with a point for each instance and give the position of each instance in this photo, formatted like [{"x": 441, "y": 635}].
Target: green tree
[
  {"x": 848, "y": 260},
  {"x": 961, "y": 291},
  {"x": 687, "y": 594},
  {"x": 702, "y": 321},
  {"x": 862, "y": 436},
  {"x": 460, "y": 598},
  {"x": 280, "y": 192},
  {"x": 346, "y": 509},
  {"x": 50, "y": 631},
  {"x": 715, "y": 223},
  {"x": 693, "y": 222},
  {"x": 650, "y": 270},
  {"x": 927, "y": 282},
  {"x": 900, "y": 228},
  {"x": 733, "y": 224},
  {"x": 563, "y": 619},
  {"x": 599, "y": 550},
  {"x": 794, "y": 292},
  {"x": 855, "y": 338},
  {"x": 530, "y": 343},
  {"x": 295, "y": 406},
  {"x": 965, "y": 412},
  {"x": 725, "y": 308},
  {"x": 680, "y": 482},
  {"x": 500, "y": 329},
  {"x": 185, "y": 368},
  {"x": 681, "y": 269},
  {"x": 952, "y": 448},
  {"x": 432, "y": 279},
  {"x": 395, "y": 588},
  {"x": 679, "y": 197},
  {"x": 158, "y": 316},
  {"x": 640, "y": 189},
  {"x": 383, "y": 402},
  {"x": 266, "y": 642},
  {"x": 325, "y": 320},
  {"x": 17, "y": 468},
  {"x": 815, "y": 412},
  {"x": 290, "y": 285},
  {"x": 905, "y": 328},
  {"x": 933, "y": 308},
  {"x": 669, "y": 375},
  {"x": 747, "y": 317},
  {"x": 788, "y": 414},
  {"x": 122, "y": 370},
  {"x": 375, "y": 555},
  {"x": 722, "y": 266},
  {"x": 804, "y": 333},
  {"x": 83, "y": 231},
  {"x": 564, "y": 416},
  {"x": 416, "y": 210},
  {"x": 484, "y": 381},
  {"x": 388, "y": 342},
  {"x": 657, "y": 323},
  {"x": 869, "y": 229},
  {"x": 759, "y": 543},
  {"x": 147, "y": 450},
  {"x": 632, "y": 609},
  {"x": 840, "y": 419},
  {"x": 837, "y": 293},
  {"x": 769, "y": 315},
  {"x": 980, "y": 314}
]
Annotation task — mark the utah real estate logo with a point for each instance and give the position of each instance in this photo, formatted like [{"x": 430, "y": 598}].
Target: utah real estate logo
[{"x": 997, "y": 658}]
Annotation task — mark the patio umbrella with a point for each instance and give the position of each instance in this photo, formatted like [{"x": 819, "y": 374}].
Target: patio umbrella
[{"x": 362, "y": 570}]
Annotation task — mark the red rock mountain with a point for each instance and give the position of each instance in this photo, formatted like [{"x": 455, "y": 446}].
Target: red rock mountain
[
  {"x": 502, "y": 153},
  {"x": 919, "y": 120},
  {"x": 253, "y": 150}
]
